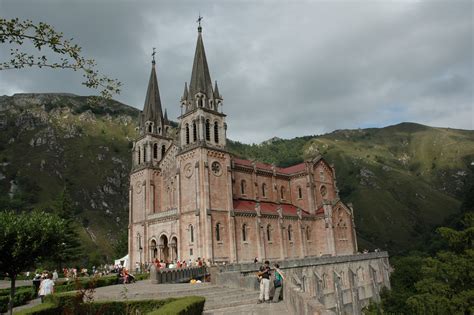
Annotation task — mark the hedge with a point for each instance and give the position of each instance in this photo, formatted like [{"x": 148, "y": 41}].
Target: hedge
[
  {"x": 189, "y": 305},
  {"x": 22, "y": 295},
  {"x": 59, "y": 303}
]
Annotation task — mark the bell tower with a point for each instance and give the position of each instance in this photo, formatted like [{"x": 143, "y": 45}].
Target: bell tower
[{"x": 202, "y": 122}]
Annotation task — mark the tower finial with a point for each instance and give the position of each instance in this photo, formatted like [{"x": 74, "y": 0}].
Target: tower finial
[
  {"x": 199, "y": 22},
  {"x": 153, "y": 55}
]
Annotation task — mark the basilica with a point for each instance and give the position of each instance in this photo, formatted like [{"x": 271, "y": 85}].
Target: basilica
[{"x": 189, "y": 197}]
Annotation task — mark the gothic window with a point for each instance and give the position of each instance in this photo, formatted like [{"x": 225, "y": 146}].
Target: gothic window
[
  {"x": 187, "y": 133},
  {"x": 244, "y": 232},
  {"x": 191, "y": 233},
  {"x": 282, "y": 192},
  {"x": 308, "y": 233},
  {"x": 300, "y": 192},
  {"x": 155, "y": 151},
  {"x": 159, "y": 130},
  {"x": 341, "y": 232},
  {"x": 242, "y": 187},
  {"x": 216, "y": 132},
  {"x": 163, "y": 150},
  {"x": 150, "y": 128},
  {"x": 290, "y": 232},
  {"x": 264, "y": 190},
  {"x": 218, "y": 232},
  {"x": 144, "y": 154},
  {"x": 200, "y": 101},
  {"x": 269, "y": 233},
  {"x": 323, "y": 191},
  {"x": 208, "y": 130},
  {"x": 194, "y": 132}
]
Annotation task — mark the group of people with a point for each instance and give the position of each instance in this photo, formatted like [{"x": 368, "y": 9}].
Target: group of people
[
  {"x": 160, "y": 264},
  {"x": 268, "y": 278},
  {"x": 44, "y": 283}
]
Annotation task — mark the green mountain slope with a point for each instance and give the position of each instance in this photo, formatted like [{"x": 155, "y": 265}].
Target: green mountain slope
[{"x": 401, "y": 179}]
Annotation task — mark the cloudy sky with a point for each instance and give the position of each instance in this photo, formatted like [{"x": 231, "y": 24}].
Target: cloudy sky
[{"x": 284, "y": 68}]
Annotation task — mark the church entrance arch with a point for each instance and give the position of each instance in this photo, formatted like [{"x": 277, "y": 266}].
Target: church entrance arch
[
  {"x": 174, "y": 248},
  {"x": 164, "y": 249},
  {"x": 153, "y": 249}
]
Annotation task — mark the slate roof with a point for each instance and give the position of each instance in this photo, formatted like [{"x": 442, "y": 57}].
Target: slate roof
[
  {"x": 152, "y": 109},
  {"x": 268, "y": 167},
  {"x": 200, "y": 76},
  {"x": 267, "y": 207}
]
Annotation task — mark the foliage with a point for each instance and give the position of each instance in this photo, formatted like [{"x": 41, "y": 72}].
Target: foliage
[
  {"x": 190, "y": 305},
  {"x": 441, "y": 284},
  {"x": 121, "y": 246},
  {"x": 70, "y": 248},
  {"x": 27, "y": 238},
  {"x": 42, "y": 35},
  {"x": 22, "y": 295},
  {"x": 70, "y": 304}
]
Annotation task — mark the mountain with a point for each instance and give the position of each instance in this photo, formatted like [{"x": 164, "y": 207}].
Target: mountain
[{"x": 402, "y": 179}]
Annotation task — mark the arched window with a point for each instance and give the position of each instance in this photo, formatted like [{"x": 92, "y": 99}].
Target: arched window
[
  {"x": 242, "y": 187},
  {"x": 187, "y": 133},
  {"x": 218, "y": 232},
  {"x": 191, "y": 233},
  {"x": 300, "y": 192},
  {"x": 308, "y": 233},
  {"x": 144, "y": 154},
  {"x": 269, "y": 233},
  {"x": 150, "y": 128},
  {"x": 155, "y": 151},
  {"x": 244, "y": 232},
  {"x": 216, "y": 132},
  {"x": 159, "y": 130},
  {"x": 282, "y": 192},
  {"x": 195, "y": 134},
  {"x": 163, "y": 150},
  {"x": 200, "y": 101},
  {"x": 264, "y": 190},
  {"x": 208, "y": 130},
  {"x": 290, "y": 232}
]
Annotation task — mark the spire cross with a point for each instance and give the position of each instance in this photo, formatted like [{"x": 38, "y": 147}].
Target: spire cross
[
  {"x": 199, "y": 22},
  {"x": 153, "y": 55}
]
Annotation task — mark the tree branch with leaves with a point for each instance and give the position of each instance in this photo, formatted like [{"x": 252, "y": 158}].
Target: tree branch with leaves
[{"x": 42, "y": 36}]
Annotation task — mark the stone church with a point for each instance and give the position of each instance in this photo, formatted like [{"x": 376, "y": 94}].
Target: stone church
[{"x": 190, "y": 198}]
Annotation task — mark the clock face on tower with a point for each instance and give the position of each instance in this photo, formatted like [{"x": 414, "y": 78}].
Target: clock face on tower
[
  {"x": 216, "y": 168},
  {"x": 188, "y": 170}
]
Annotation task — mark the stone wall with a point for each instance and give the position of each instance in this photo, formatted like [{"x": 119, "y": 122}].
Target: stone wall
[{"x": 323, "y": 285}]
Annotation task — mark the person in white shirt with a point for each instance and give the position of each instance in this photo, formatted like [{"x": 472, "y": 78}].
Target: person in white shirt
[{"x": 46, "y": 287}]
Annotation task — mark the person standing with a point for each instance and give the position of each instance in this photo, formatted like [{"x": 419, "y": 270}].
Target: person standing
[
  {"x": 264, "y": 276},
  {"x": 46, "y": 287},
  {"x": 55, "y": 275},
  {"x": 278, "y": 283}
]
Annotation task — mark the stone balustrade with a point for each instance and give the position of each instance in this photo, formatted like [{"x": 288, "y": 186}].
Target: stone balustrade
[{"x": 176, "y": 275}]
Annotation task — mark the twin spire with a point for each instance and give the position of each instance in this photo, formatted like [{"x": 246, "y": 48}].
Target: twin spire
[{"x": 200, "y": 85}]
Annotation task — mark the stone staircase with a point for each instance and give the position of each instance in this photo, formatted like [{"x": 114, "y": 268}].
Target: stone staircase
[{"x": 219, "y": 300}]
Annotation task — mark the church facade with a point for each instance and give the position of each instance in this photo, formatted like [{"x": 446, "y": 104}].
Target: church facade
[{"x": 189, "y": 197}]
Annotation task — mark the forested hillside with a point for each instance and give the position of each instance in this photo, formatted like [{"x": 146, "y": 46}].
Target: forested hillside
[{"x": 402, "y": 179}]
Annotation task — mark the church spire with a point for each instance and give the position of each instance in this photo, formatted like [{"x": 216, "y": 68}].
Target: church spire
[
  {"x": 152, "y": 113},
  {"x": 200, "y": 77}
]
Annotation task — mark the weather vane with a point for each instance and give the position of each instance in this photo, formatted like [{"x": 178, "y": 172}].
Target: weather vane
[{"x": 153, "y": 54}]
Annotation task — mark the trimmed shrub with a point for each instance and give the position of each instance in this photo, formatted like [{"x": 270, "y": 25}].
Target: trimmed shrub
[
  {"x": 22, "y": 295},
  {"x": 69, "y": 303},
  {"x": 189, "y": 305}
]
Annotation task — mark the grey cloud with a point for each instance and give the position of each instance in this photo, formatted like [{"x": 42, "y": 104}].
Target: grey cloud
[{"x": 284, "y": 68}]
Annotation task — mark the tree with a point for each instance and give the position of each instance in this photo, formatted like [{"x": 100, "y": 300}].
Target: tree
[
  {"x": 42, "y": 35},
  {"x": 70, "y": 247},
  {"x": 25, "y": 239}
]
